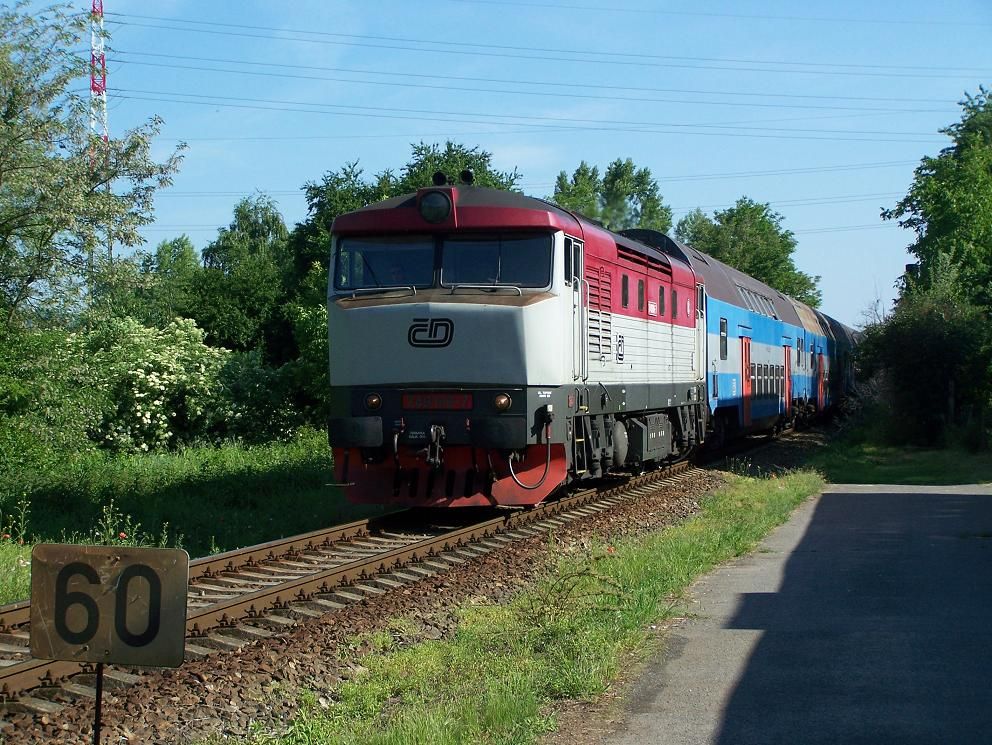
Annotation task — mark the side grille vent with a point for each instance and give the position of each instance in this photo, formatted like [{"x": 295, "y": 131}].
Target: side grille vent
[{"x": 600, "y": 313}]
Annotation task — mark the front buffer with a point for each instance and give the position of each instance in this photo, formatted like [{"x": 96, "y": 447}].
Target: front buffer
[{"x": 432, "y": 458}]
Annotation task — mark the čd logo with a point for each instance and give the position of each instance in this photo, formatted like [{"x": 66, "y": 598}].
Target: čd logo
[{"x": 431, "y": 332}]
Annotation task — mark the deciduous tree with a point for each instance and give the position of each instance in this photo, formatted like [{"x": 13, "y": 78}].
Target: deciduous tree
[
  {"x": 949, "y": 204},
  {"x": 61, "y": 189},
  {"x": 624, "y": 197},
  {"x": 750, "y": 237},
  {"x": 242, "y": 282}
]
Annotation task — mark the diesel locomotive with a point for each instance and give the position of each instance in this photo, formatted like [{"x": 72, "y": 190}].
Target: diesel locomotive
[{"x": 487, "y": 348}]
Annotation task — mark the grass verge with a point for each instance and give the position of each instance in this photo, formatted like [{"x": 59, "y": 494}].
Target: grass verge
[
  {"x": 203, "y": 499},
  {"x": 15, "y": 575},
  {"x": 857, "y": 458},
  {"x": 564, "y": 638}
]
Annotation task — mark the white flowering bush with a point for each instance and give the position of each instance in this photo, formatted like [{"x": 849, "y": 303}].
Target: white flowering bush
[{"x": 162, "y": 385}]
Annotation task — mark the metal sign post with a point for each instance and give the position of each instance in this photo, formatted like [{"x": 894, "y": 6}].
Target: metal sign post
[
  {"x": 99, "y": 703},
  {"x": 108, "y": 604}
]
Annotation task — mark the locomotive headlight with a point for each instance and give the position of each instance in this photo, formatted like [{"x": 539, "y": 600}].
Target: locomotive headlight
[
  {"x": 435, "y": 206},
  {"x": 373, "y": 401},
  {"x": 502, "y": 402}
]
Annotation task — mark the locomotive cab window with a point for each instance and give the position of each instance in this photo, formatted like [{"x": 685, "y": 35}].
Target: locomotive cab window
[
  {"x": 506, "y": 259},
  {"x": 573, "y": 260},
  {"x": 393, "y": 261}
]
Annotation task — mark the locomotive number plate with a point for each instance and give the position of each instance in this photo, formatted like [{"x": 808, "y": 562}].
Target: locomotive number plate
[{"x": 437, "y": 401}]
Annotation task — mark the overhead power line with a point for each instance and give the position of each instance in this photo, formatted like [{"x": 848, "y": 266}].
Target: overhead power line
[
  {"x": 585, "y": 85},
  {"x": 538, "y": 122},
  {"x": 713, "y": 14},
  {"x": 843, "y": 228},
  {"x": 556, "y": 50},
  {"x": 541, "y": 94},
  {"x": 582, "y": 56},
  {"x": 807, "y": 202}
]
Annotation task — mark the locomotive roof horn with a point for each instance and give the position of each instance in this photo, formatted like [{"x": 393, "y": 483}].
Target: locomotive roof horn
[
  {"x": 439, "y": 178},
  {"x": 467, "y": 176}
]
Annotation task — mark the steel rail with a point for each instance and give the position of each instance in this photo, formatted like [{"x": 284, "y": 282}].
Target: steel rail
[{"x": 20, "y": 677}]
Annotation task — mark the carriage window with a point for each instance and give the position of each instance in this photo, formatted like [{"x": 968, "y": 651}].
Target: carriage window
[
  {"x": 799, "y": 352},
  {"x": 661, "y": 301},
  {"x": 640, "y": 294},
  {"x": 723, "y": 338},
  {"x": 675, "y": 303},
  {"x": 519, "y": 260},
  {"x": 393, "y": 261},
  {"x": 625, "y": 291}
]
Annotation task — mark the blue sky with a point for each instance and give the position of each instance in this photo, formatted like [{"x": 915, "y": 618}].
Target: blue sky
[{"x": 820, "y": 109}]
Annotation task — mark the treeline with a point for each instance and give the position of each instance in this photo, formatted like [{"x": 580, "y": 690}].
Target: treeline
[
  {"x": 107, "y": 346},
  {"x": 935, "y": 349}
]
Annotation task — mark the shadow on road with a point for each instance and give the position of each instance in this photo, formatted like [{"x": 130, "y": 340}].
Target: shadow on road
[{"x": 880, "y": 632}]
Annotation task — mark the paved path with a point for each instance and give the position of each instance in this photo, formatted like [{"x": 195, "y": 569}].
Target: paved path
[{"x": 867, "y": 618}]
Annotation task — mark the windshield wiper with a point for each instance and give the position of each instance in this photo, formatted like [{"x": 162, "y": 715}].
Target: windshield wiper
[
  {"x": 490, "y": 288},
  {"x": 374, "y": 290}
]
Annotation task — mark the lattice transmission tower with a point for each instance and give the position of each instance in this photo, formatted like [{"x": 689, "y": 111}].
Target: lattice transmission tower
[
  {"x": 98, "y": 75},
  {"x": 98, "y": 103}
]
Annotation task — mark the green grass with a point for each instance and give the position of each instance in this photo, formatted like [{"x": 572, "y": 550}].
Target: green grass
[
  {"x": 202, "y": 499},
  {"x": 567, "y": 637},
  {"x": 15, "y": 577},
  {"x": 856, "y": 459}
]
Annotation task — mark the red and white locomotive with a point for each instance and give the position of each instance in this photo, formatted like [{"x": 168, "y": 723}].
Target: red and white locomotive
[{"x": 487, "y": 348}]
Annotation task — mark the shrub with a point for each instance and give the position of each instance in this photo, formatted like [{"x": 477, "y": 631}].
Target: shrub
[
  {"x": 163, "y": 384},
  {"x": 259, "y": 399}
]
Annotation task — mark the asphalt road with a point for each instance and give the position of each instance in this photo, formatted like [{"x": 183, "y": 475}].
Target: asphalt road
[{"x": 867, "y": 618}]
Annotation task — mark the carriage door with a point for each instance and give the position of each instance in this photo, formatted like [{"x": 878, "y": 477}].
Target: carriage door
[
  {"x": 821, "y": 393},
  {"x": 580, "y": 309},
  {"x": 747, "y": 379},
  {"x": 787, "y": 386},
  {"x": 699, "y": 364}
]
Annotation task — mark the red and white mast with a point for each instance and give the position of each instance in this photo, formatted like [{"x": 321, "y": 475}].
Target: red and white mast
[
  {"x": 98, "y": 103},
  {"x": 98, "y": 75}
]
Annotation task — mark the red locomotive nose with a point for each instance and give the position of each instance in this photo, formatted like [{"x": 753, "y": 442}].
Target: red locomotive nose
[{"x": 469, "y": 477}]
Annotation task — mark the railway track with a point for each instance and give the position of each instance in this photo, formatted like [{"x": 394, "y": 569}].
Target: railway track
[{"x": 254, "y": 593}]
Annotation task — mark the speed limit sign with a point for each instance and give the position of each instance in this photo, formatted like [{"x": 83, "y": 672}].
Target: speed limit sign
[{"x": 109, "y": 604}]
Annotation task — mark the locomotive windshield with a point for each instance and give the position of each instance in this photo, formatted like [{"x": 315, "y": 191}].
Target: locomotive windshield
[
  {"x": 389, "y": 261},
  {"x": 520, "y": 260}
]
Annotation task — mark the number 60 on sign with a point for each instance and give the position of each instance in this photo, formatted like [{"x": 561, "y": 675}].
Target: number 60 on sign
[{"x": 109, "y": 604}]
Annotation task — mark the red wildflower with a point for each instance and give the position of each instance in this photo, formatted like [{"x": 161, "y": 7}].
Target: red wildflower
[
  {"x": 122, "y": 535},
  {"x": 610, "y": 550},
  {"x": 5, "y": 536}
]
